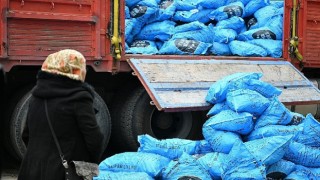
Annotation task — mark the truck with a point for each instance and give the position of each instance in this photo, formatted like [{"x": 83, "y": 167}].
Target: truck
[{"x": 160, "y": 95}]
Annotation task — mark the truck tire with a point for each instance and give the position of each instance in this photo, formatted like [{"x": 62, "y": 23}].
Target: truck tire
[
  {"x": 132, "y": 115},
  {"x": 18, "y": 121}
]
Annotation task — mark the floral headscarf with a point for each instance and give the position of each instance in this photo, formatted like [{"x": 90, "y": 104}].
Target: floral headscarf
[{"x": 67, "y": 62}]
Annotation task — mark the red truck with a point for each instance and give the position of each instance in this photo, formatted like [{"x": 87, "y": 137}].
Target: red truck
[{"x": 160, "y": 95}]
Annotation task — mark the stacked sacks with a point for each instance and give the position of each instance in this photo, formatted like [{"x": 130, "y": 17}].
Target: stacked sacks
[
  {"x": 204, "y": 27},
  {"x": 249, "y": 135}
]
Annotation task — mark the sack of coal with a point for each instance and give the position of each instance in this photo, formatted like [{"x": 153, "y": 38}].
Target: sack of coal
[
  {"x": 303, "y": 155},
  {"x": 261, "y": 33},
  {"x": 157, "y": 31},
  {"x": 310, "y": 135},
  {"x": 170, "y": 148},
  {"x": 200, "y": 15},
  {"x": 195, "y": 25},
  {"x": 274, "y": 130},
  {"x": 228, "y": 11},
  {"x": 302, "y": 172},
  {"x": 217, "y": 108},
  {"x": 204, "y": 34},
  {"x": 140, "y": 15},
  {"x": 152, "y": 164},
  {"x": 246, "y": 49},
  {"x": 103, "y": 175},
  {"x": 212, "y": 162},
  {"x": 273, "y": 47},
  {"x": 184, "y": 46},
  {"x": 186, "y": 167},
  {"x": 236, "y": 23},
  {"x": 254, "y": 5},
  {"x": 166, "y": 10},
  {"x": 218, "y": 91},
  {"x": 280, "y": 169},
  {"x": 142, "y": 47},
  {"x": 223, "y": 35},
  {"x": 220, "y": 49}
]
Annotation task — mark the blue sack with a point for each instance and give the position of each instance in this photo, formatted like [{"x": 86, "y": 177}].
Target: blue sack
[
  {"x": 277, "y": 4},
  {"x": 127, "y": 11},
  {"x": 204, "y": 35},
  {"x": 280, "y": 169},
  {"x": 131, "y": 3},
  {"x": 274, "y": 130},
  {"x": 170, "y": 148},
  {"x": 192, "y": 15},
  {"x": 241, "y": 164},
  {"x": 303, "y": 155},
  {"x": 104, "y": 175},
  {"x": 159, "y": 44},
  {"x": 184, "y": 46},
  {"x": 231, "y": 121},
  {"x": 140, "y": 14},
  {"x": 210, "y": 4},
  {"x": 310, "y": 135},
  {"x": 263, "y": 88},
  {"x": 220, "y": 141},
  {"x": 251, "y": 23},
  {"x": 129, "y": 24},
  {"x": 203, "y": 147},
  {"x": 269, "y": 150},
  {"x": 143, "y": 47},
  {"x": 254, "y": 5},
  {"x": 302, "y": 172},
  {"x": 152, "y": 164},
  {"x": 246, "y": 100},
  {"x": 220, "y": 49},
  {"x": 275, "y": 114},
  {"x": 183, "y": 5},
  {"x": 228, "y": 11},
  {"x": 266, "y": 13},
  {"x": 186, "y": 167},
  {"x": 224, "y": 35},
  {"x": 212, "y": 162},
  {"x": 157, "y": 31},
  {"x": 217, "y": 108},
  {"x": 236, "y": 23},
  {"x": 166, "y": 11},
  {"x": 273, "y": 47},
  {"x": 246, "y": 49},
  {"x": 196, "y": 25},
  {"x": 261, "y": 33},
  {"x": 218, "y": 91},
  {"x": 149, "y": 3},
  {"x": 296, "y": 118}
]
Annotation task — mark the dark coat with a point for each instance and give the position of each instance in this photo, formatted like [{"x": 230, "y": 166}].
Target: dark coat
[{"x": 70, "y": 106}]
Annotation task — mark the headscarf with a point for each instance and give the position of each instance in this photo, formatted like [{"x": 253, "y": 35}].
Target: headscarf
[{"x": 67, "y": 62}]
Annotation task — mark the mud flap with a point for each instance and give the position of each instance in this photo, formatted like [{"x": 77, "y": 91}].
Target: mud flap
[{"x": 181, "y": 85}]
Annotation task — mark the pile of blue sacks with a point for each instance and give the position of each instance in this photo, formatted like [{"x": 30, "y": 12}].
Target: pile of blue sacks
[
  {"x": 204, "y": 27},
  {"x": 249, "y": 134}
]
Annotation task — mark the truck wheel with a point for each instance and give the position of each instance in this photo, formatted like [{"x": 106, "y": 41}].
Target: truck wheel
[
  {"x": 135, "y": 116},
  {"x": 19, "y": 115}
]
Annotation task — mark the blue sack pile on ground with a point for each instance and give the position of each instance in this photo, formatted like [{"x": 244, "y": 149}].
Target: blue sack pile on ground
[
  {"x": 228, "y": 27},
  {"x": 249, "y": 134}
]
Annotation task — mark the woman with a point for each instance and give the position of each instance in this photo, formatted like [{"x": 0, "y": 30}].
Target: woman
[{"x": 70, "y": 108}]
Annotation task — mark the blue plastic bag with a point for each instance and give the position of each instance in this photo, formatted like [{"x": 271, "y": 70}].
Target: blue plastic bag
[
  {"x": 270, "y": 149},
  {"x": 131, "y": 3},
  {"x": 302, "y": 173},
  {"x": 303, "y": 155},
  {"x": 210, "y": 4},
  {"x": 204, "y": 35},
  {"x": 280, "y": 169},
  {"x": 236, "y": 23},
  {"x": 109, "y": 175},
  {"x": 228, "y": 120},
  {"x": 261, "y": 33},
  {"x": 184, "y": 46},
  {"x": 266, "y": 13},
  {"x": 140, "y": 15},
  {"x": 228, "y": 11},
  {"x": 241, "y": 164},
  {"x": 251, "y": 23},
  {"x": 220, "y": 141},
  {"x": 246, "y": 49},
  {"x": 212, "y": 162},
  {"x": 254, "y": 5},
  {"x": 166, "y": 10},
  {"x": 218, "y": 91},
  {"x": 192, "y": 15},
  {"x": 186, "y": 167},
  {"x": 310, "y": 135},
  {"x": 275, "y": 114},
  {"x": 217, "y": 108},
  {"x": 157, "y": 31},
  {"x": 170, "y": 148},
  {"x": 274, "y": 130},
  {"x": 129, "y": 24},
  {"x": 196, "y": 25},
  {"x": 246, "y": 100},
  {"x": 220, "y": 49},
  {"x": 152, "y": 164},
  {"x": 185, "y": 5},
  {"x": 143, "y": 47},
  {"x": 296, "y": 118},
  {"x": 203, "y": 147},
  {"x": 224, "y": 35},
  {"x": 277, "y": 4},
  {"x": 127, "y": 11},
  {"x": 273, "y": 47}
]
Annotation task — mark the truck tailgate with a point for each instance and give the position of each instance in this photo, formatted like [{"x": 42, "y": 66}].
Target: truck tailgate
[{"x": 182, "y": 85}]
